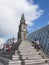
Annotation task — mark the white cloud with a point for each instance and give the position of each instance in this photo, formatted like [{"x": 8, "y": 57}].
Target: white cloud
[{"x": 10, "y": 14}]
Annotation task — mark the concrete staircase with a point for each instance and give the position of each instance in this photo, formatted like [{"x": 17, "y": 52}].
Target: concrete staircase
[{"x": 26, "y": 55}]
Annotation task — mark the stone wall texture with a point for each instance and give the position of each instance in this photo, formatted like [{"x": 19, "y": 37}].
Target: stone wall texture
[{"x": 43, "y": 36}]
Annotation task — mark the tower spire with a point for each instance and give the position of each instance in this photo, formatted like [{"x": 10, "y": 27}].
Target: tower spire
[{"x": 22, "y": 18}]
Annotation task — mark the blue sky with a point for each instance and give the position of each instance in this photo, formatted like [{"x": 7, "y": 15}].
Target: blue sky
[
  {"x": 36, "y": 15},
  {"x": 44, "y": 19}
]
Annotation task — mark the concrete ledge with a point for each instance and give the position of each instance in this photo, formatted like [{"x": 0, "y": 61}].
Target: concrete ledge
[
  {"x": 10, "y": 62},
  {"x": 4, "y": 60}
]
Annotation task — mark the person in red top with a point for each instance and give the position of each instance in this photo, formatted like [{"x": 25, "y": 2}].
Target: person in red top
[{"x": 8, "y": 48}]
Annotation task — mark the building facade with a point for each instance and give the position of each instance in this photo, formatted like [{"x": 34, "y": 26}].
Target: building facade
[
  {"x": 43, "y": 36},
  {"x": 1, "y": 43}
]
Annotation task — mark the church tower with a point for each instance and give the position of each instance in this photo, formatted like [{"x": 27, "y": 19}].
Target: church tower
[{"x": 22, "y": 33}]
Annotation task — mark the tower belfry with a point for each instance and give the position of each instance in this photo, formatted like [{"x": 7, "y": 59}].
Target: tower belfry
[{"x": 22, "y": 33}]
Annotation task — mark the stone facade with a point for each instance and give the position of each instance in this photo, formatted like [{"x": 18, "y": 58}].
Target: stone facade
[
  {"x": 22, "y": 34},
  {"x": 43, "y": 36}
]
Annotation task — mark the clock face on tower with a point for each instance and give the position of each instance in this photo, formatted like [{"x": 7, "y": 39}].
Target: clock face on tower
[{"x": 24, "y": 28}]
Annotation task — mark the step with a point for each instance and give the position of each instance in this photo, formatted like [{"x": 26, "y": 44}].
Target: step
[
  {"x": 43, "y": 64},
  {"x": 15, "y": 62},
  {"x": 15, "y": 57},
  {"x": 33, "y": 57},
  {"x": 25, "y": 57},
  {"x": 33, "y": 51},
  {"x": 34, "y": 61},
  {"x": 25, "y": 44},
  {"x": 16, "y": 51},
  {"x": 27, "y": 53},
  {"x": 38, "y": 64},
  {"x": 26, "y": 48}
]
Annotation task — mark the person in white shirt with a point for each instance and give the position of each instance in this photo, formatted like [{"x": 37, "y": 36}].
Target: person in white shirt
[{"x": 37, "y": 44}]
